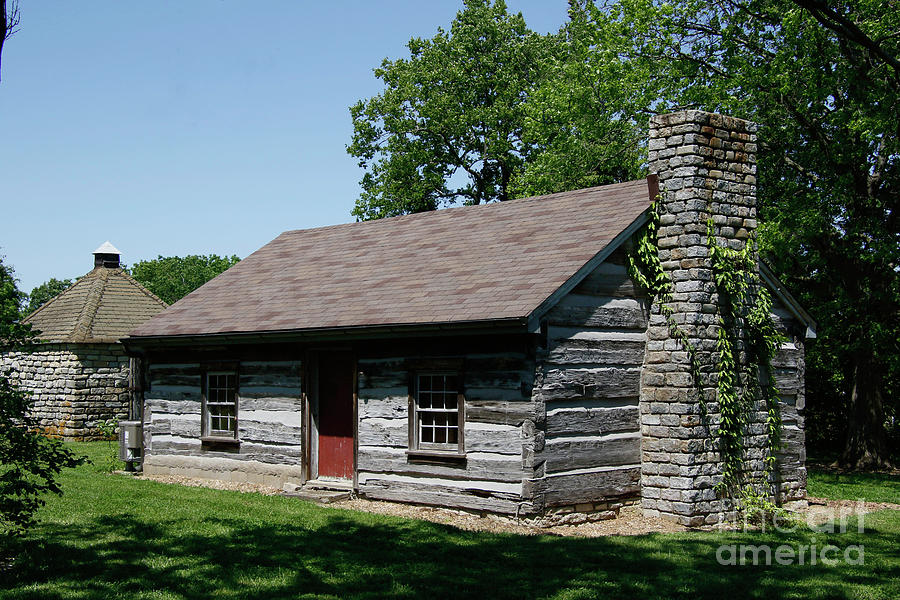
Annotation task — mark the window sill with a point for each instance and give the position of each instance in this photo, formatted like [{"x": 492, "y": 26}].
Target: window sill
[
  {"x": 211, "y": 440},
  {"x": 436, "y": 456}
]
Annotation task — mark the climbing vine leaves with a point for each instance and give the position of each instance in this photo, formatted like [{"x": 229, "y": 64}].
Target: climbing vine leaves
[{"x": 746, "y": 342}]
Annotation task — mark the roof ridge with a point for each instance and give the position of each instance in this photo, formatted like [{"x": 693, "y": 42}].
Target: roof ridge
[
  {"x": 454, "y": 209},
  {"x": 85, "y": 322},
  {"x": 141, "y": 287}
]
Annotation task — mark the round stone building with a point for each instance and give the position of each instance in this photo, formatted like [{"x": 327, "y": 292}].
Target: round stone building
[{"x": 78, "y": 373}]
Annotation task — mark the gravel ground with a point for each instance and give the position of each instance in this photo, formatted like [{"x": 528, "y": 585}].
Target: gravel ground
[{"x": 629, "y": 522}]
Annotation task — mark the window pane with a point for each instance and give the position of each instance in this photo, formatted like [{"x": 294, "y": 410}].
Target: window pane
[
  {"x": 424, "y": 400},
  {"x": 221, "y": 405},
  {"x": 427, "y": 434},
  {"x": 440, "y": 435},
  {"x": 450, "y": 384},
  {"x": 453, "y": 435}
]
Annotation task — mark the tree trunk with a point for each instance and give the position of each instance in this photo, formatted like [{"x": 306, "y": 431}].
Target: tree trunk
[{"x": 866, "y": 446}]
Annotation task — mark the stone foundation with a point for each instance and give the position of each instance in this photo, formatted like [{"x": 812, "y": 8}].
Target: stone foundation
[
  {"x": 576, "y": 514},
  {"x": 73, "y": 386}
]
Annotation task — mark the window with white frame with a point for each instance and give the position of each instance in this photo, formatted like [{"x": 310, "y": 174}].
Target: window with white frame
[
  {"x": 220, "y": 408},
  {"x": 438, "y": 403}
]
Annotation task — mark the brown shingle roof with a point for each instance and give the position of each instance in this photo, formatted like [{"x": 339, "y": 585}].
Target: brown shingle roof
[
  {"x": 488, "y": 262},
  {"x": 103, "y": 306}
]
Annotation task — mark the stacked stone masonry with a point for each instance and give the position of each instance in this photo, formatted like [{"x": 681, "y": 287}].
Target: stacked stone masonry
[
  {"x": 706, "y": 165},
  {"x": 73, "y": 386}
]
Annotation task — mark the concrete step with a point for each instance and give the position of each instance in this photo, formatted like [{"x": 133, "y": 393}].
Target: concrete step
[
  {"x": 319, "y": 495},
  {"x": 322, "y": 491}
]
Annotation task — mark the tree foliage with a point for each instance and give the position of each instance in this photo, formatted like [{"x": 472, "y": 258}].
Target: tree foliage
[
  {"x": 45, "y": 292},
  {"x": 448, "y": 125},
  {"x": 822, "y": 79},
  {"x": 29, "y": 462},
  {"x": 174, "y": 277}
]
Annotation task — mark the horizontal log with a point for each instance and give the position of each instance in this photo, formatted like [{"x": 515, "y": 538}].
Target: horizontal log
[
  {"x": 592, "y": 421},
  {"x": 383, "y": 379},
  {"x": 165, "y": 443},
  {"x": 273, "y": 403},
  {"x": 383, "y": 393},
  {"x": 269, "y": 432},
  {"x": 567, "y": 454},
  {"x": 383, "y": 432},
  {"x": 175, "y": 380},
  {"x": 790, "y": 358},
  {"x": 263, "y": 416},
  {"x": 788, "y": 383},
  {"x": 564, "y": 384},
  {"x": 556, "y": 334},
  {"x": 235, "y": 453},
  {"x": 500, "y": 363},
  {"x": 593, "y": 352},
  {"x": 477, "y": 394},
  {"x": 500, "y": 412},
  {"x": 511, "y": 379},
  {"x": 561, "y": 490},
  {"x": 391, "y": 407},
  {"x": 280, "y": 367},
  {"x": 177, "y": 407},
  {"x": 182, "y": 427},
  {"x": 277, "y": 391},
  {"x": 472, "y": 499},
  {"x": 501, "y": 439},
  {"x": 608, "y": 280},
  {"x": 602, "y": 312},
  {"x": 496, "y": 468}
]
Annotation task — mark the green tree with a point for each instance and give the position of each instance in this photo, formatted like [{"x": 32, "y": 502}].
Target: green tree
[
  {"x": 29, "y": 463},
  {"x": 174, "y": 277},
  {"x": 823, "y": 81},
  {"x": 587, "y": 122},
  {"x": 448, "y": 126},
  {"x": 44, "y": 293}
]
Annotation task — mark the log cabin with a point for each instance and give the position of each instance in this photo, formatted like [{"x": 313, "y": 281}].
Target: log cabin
[{"x": 495, "y": 358}]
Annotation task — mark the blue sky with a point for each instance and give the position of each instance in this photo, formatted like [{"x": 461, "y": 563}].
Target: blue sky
[{"x": 173, "y": 128}]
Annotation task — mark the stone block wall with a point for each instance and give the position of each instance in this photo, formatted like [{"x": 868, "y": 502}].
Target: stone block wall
[
  {"x": 706, "y": 167},
  {"x": 73, "y": 386}
]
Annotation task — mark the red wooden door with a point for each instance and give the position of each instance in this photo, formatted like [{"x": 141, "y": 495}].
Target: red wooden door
[{"x": 336, "y": 415}]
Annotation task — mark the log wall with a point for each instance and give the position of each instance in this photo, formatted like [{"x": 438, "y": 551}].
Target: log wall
[
  {"x": 269, "y": 425},
  {"x": 789, "y": 370},
  {"x": 587, "y": 386},
  {"x": 499, "y": 436}
]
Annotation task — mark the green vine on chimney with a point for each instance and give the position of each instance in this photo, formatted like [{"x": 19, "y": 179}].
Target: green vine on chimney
[{"x": 745, "y": 320}]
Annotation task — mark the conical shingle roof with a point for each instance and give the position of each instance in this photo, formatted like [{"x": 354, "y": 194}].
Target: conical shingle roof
[{"x": 102, "y": 307}]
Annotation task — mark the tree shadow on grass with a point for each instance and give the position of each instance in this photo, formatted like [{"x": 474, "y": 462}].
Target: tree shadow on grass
[{"x": 345, "y": 556}]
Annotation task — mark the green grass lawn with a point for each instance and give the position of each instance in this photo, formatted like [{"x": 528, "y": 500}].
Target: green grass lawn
[
  {"x": 116, "y": 537},
  {"x": 872, "y": 487}
]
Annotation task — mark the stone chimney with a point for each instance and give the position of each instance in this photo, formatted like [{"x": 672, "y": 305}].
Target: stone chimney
[
  {"x": 706, "y": 168},
  {"x": 107, "y": 256}
]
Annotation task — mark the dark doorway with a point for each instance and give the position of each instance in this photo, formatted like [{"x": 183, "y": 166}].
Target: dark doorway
[{"x": 335, "y": 424}]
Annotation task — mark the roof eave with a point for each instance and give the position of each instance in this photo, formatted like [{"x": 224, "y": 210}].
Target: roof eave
[
  {"x": 512, "y": 325},
  {"x": 769, "y": 278}
]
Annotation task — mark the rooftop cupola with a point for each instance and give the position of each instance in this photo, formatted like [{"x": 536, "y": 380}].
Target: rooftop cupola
[{"x": 107, "y": 256}]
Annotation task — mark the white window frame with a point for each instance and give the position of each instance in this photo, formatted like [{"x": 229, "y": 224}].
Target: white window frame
[
  {"x": 456, "y": 447},
  {"x": 208, "y": 431}
]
